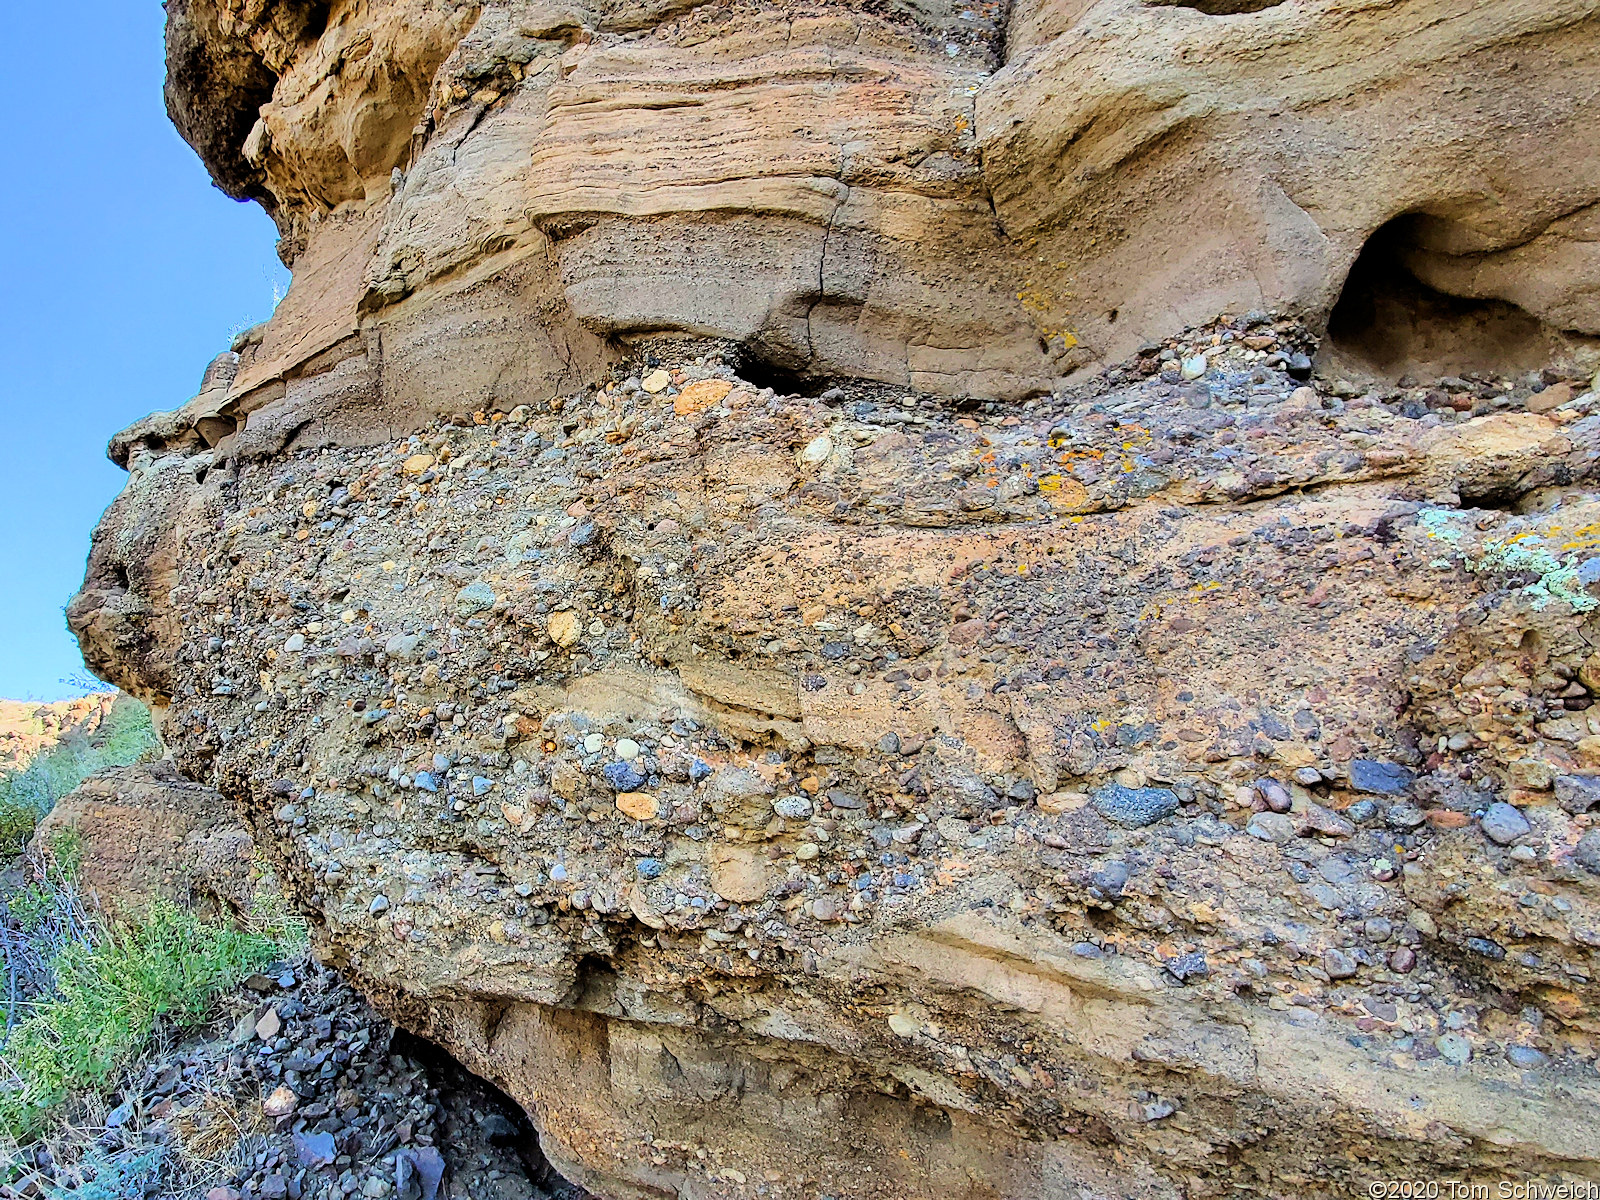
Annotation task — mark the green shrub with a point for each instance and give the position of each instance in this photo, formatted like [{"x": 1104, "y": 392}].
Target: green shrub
[
  {"x": 16, "y": 823},
  {"x": 102, "y": 992},
  {"x": 108, "y": 999},
  {"x": 66, "y": 852},
  {"x": 29, "y": 906}
]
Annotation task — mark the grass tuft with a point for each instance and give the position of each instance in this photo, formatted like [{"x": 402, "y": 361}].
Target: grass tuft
[{"x": 108, "y": 998}]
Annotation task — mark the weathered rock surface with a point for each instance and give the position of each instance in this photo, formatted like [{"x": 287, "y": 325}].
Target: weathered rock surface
[
  {"x": 759, "y": 787},
  {"x": 146, "y": 834},
  {"x": 1171, "y": 161},
  {"x": 957, "y": 783},
  {"x": 963, "y": 199}
]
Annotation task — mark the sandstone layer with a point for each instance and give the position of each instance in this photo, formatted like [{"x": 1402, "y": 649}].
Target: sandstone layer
[
  {"x": 703, "y": 635},
  {"x": 964, "y": 199}
]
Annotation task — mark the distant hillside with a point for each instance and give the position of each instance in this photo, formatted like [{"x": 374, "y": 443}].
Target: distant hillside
[{"x": 46, "y": 750}]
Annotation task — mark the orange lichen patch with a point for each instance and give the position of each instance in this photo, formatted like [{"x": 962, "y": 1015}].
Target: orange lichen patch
[
  {"x": 701, "y": 395},
  {"x": 1064, "y": 492}
]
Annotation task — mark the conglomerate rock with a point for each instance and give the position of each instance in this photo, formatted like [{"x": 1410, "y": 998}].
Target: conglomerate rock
[
  {"x": 962, "y": 781},
  {"x": 759, "y": 787}
]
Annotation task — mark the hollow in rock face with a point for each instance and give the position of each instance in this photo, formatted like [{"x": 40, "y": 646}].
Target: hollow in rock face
[{"x": 1390, "y": 323}]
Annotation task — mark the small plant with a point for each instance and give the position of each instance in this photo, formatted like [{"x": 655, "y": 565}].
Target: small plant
[
  {"x": 107, "y": 1175},
  {"x": 66, "y": 852},
  {"x": 109, "y": 997},
  {"x": 271, "y": 916},
  {"x": 17, "y": 822},
  {"x": 30, "y": 905}
]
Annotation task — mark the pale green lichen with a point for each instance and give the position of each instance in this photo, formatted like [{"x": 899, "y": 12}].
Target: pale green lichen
[
  {"x": 1440, "y": 524},
  {"x": 1556, "y": 578}
]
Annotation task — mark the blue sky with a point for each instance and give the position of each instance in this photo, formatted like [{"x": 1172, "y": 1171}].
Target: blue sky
[{"x": 124, "y": 273}]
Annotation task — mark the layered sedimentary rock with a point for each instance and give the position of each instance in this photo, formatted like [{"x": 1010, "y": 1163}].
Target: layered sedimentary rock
[
  {"x": 960, "y": 781},
  {"x": 964, "y": 199},
  {"x": 1171, "y": 789},
  {"x": 1172, "y": 164}
]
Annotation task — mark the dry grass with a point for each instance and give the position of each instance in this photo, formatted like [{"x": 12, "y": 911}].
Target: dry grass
[
  {"x": 39, "y": 919},
  {"x": 213, "y": 1138}
]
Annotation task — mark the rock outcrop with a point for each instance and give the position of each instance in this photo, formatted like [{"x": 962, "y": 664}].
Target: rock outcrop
[
  {"x": 690, "y": 649},
  {"x": 145, "y": 834},
  {"x": 757, "y": 787},
  {"x": 28, "y": 728},
  {"x": 962, "y": 199}
]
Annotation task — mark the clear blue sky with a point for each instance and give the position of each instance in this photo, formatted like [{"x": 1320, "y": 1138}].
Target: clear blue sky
[{"x": 122, "y": 273}]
